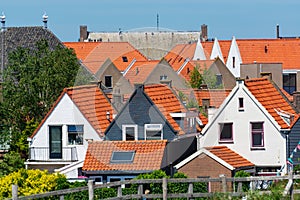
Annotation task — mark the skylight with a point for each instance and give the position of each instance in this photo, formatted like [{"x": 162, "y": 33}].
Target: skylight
[{"x": 122, "y": 157}]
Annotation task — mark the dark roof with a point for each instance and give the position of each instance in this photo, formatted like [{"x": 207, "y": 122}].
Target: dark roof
[{"x": 14, "y": 37}]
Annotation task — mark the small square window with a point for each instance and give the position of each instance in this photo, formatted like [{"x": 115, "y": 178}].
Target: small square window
[
  {"x": 125, "y": 59},
  {"x": 226, "y": 134},
  {"x": 153, "y": 132},
  {"x": 75, "y": 134},
  {"x": 129, "y": 132}
]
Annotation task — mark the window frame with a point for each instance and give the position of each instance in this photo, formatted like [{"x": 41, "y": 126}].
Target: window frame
[
  {"x": 258, "y": 131},
  {"x": 241, "y": 104},
  {"x": 153, "y": 129},
  {"x": 135, "y": 126},
  {"x": 122, "y": 161},
  {"x": 111, "y": 81},
  {"x": 77, "y": 133},
  {"x": 224, "y": 140}
]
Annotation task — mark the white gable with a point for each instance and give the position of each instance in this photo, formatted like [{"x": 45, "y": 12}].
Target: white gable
[
  {"x": 65, "y": 113},
  {"x": 234, "y": 59},
  {"x": 216, "y": 51},
  {"x": 274, "y": 151},
  {"x": 199, "y": 52}
]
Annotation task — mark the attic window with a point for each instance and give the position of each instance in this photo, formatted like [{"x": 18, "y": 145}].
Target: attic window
[
  {"x": 122, "y": 156},
  {"x": 153, "y": 132},
  {"x": 233, "y": 62},
  {"x": 125, "y": 59}
]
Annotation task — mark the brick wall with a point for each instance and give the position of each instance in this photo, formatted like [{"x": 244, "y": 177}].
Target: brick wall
[{"x": 204, "y": 166}]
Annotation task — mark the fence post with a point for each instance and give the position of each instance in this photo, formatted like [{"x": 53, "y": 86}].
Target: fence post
[
  {"x": 62, "y": 197},
  {"x": 223, "y": 181},
  {"x": 140, "y": 189},
  {"x": 164, "y": 187},
  {"x": 14, "y": 192},
  {"x": 119, "y": 191},
  {"x": 240, "y": 187},
  {"x": 91, "y": 189}
]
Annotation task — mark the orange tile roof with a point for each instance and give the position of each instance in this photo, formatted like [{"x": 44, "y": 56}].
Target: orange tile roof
[
  {"x": 93, "y": 104},
  {"x": 216, "y": 96},
  {"x": 111, "y": 50},
  {"x": 82, "y": 49},
  {"x": 285, "y": 51},
  {"x": 287, "y": 95},
  {"x": 148, "y": 155},
  {"x": 230, "y": 156},
  {"x": 135, "y": 54},
  {"x": 175, "y": 60},
  {"x": 201, "y": 64},
  {"x": 140, "y": 71},
  {"x": 266, "y": 93},
  {"x": 224, "y": 46},
  {"x": 166, "y": 101}
]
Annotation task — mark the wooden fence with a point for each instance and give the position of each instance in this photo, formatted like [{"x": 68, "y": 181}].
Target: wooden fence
[{"x": 190, "y": 194}]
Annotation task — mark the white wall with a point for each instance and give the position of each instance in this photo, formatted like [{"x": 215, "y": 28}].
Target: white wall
[
  {"x": 65, "y": 113},
  {"x": 274, "y": 151}
]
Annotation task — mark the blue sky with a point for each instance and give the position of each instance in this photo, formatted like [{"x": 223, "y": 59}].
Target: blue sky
[{"x": 225, "y": 18}]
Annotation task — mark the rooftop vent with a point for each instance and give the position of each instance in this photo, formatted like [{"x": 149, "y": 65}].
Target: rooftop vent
[{"x": 45, "y": 20}]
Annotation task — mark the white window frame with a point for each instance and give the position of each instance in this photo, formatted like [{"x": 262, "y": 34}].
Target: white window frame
[
  {"x": 147, "y": 127},
  {"x": 81, "y": 133},
  {"x": 135, "y": 126}
]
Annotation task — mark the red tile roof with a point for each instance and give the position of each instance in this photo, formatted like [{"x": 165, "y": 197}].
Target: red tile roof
[
  {"x": 148, "y": 155},
  {"x": 266, "y": 93},
  {"x": 140, "y": 71},
  {"x": 130, "y": 56},
  {"x": 215, "y": 96},
  {"x": 229, "y": 156},
  {"x": 82, "y": 49},
  {"x": 93, "y": 104},
  {"x": 166, "y": 101}
]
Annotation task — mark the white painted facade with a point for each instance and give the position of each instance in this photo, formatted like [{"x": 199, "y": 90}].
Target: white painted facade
[
  {"x": 234, "y": 59},
  {"x": 274, "y": 151},
  {"x": 216, "y": 51},
  {"x": 65, "y": 113}
]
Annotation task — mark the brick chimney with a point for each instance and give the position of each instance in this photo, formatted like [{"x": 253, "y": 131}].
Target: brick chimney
[
  {"x": 205, "y": 105},
  {"x": 83, "y": 33},
  {"x": 117, "y": 100},
  {"x": 204, "y": 36},
  {"x": 296, "y": 100}
]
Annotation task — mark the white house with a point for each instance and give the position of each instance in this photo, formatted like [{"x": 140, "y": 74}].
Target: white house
[
  {"x": 253, "y": 121},
  {"x": 81, "y": 114}
]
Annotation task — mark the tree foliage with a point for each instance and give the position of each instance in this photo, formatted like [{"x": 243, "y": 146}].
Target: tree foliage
[
  {"x": 196, "y": 78},
  {"x": 30, "y": 182},
  {"x": 33, "y": 80},
  {"x": 11, "y": 162}
]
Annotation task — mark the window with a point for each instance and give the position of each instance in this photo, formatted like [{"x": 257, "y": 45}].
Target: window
[
  {"x": 122, "y": 156},
  {"x": 289, "y": 83},
  {"x": 219, "y": 80},
  {"x": 75, "y": 134},
  {"x": 125, "y": 59},
  {"x": 257, "y": 134},
  {"x": 108, "y": 81},
  {"x": 153, "y": 132},
  {"x": 233, "y": 62},
  {"x": 241, "y": 103},
  {"x": 226, "y": 132},
  {"x": 129, "y": 132}
]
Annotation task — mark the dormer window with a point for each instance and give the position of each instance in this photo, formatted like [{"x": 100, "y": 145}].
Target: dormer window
[
  {"x": 129, "y": 132},
  {"x": 153, "y": 132}
]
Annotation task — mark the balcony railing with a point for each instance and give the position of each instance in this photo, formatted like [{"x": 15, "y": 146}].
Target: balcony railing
[{"x": 43, "y": 154}]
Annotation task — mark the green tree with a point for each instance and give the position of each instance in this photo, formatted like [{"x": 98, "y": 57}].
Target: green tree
[
  {"x": 196, "y": 78},
  {"x": 11, "y": 162},
  {"x": 33, "y": 80},
  {"x": 210, "y": 80}
]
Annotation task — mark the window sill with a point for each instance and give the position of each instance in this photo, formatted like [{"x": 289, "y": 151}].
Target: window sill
[
  {"x": 226, "y": 142},
  {"x": 241, "y": 109},
  {"x": 257, "y": 148}
]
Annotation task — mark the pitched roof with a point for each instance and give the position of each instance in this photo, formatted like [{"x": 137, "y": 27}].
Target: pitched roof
[
  {"x": 82, "y": 49},
  {"x": 140, "y": 71},
  {"x": 91, "y": 102},
  {"x": 123, "y": 61},
  {"x": 26, "y": 37},
  {"x": 285, "y": 51},
  {"x": 272, "y": 100},
  {"x": 166, "y": 101},
  {"x": 229, "y": 156},
  {"x": 215, "y": 96},
  {"x": 113, "y": 51},
  {"x": 221, "y": 154},
  {"x": 148, "y": 155}
]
